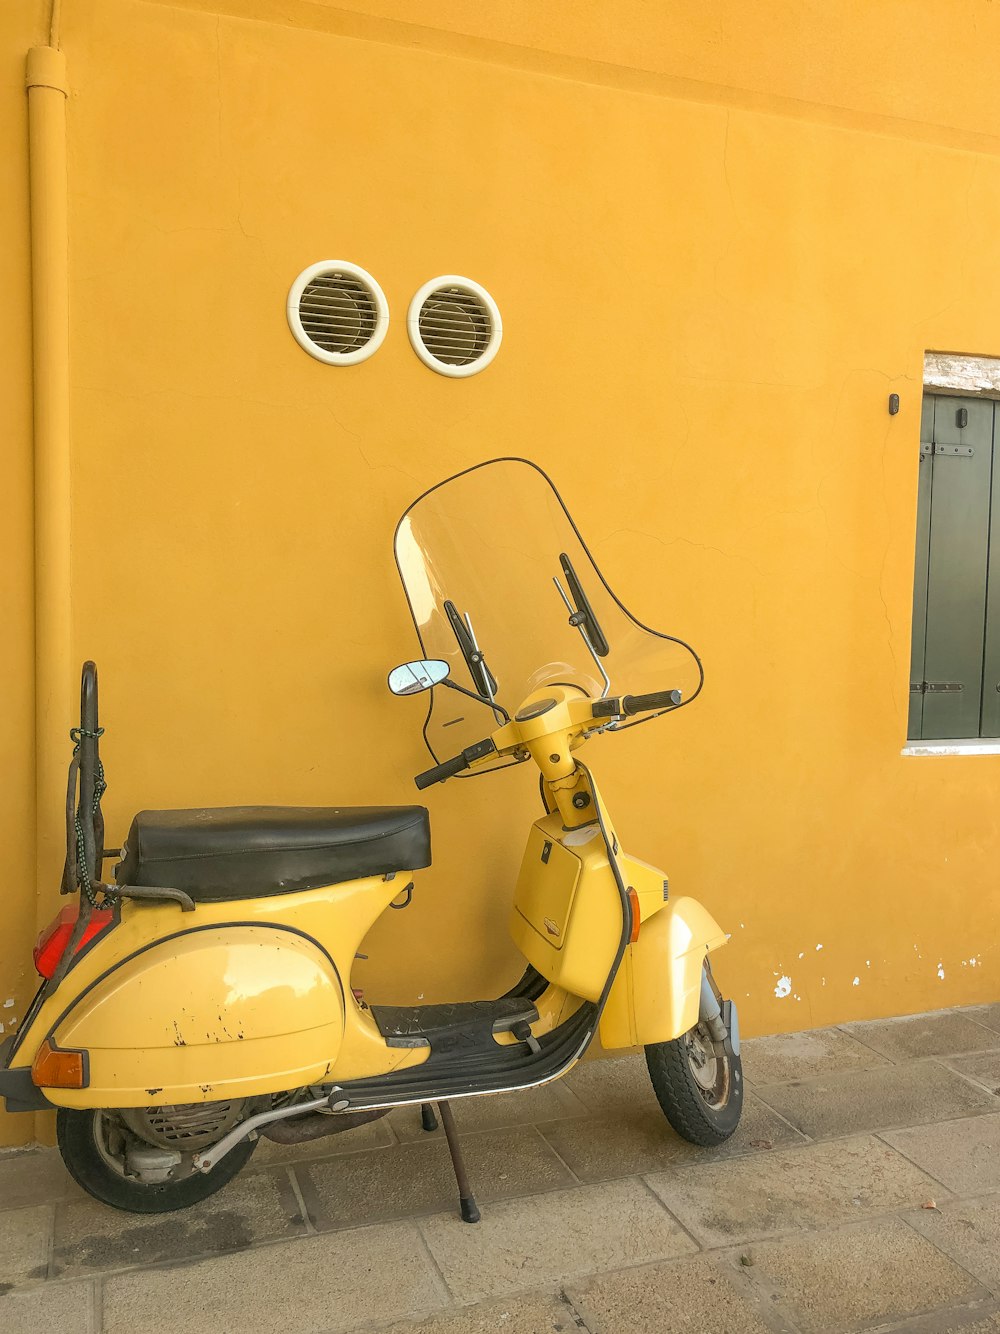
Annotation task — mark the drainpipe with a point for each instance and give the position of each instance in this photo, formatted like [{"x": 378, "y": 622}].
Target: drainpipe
[{"x": 46, "y": 84}]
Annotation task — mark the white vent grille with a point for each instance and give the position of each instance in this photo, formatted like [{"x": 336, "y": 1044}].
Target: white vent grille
[
  {"x": 454, "y": 326},
  {"x": 337, "y": 312}
]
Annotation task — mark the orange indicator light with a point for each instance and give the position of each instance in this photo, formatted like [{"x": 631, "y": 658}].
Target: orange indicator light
[
  {"x": 57, "y": 1069},
  {"x": 633, "y": 899}
]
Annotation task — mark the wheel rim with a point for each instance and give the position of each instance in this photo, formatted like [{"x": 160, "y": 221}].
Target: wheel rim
[{"x": 710, "y": 1071}]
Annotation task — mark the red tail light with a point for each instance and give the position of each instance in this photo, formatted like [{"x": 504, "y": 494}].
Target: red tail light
[{"x": 54, "y": 939}]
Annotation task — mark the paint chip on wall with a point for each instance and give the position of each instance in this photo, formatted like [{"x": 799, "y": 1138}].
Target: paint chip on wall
[{"x": 783, "y": 988}]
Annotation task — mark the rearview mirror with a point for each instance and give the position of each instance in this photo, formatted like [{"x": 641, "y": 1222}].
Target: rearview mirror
[{"x": 413, "y": 677}]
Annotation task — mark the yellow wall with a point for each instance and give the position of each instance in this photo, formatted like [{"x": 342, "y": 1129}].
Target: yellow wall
[{"x": 717, "y": 245}]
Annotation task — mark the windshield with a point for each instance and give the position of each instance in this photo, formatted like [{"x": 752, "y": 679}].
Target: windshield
[{"x": 494, "y": 569}]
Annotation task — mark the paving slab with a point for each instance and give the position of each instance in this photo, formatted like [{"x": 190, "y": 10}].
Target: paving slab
[
  {"x": 968, "y": 1230},
  {"x": 986, "y": 1014},
  {"x": 545, "y": 1239},
  {"x": 820, "y": 1185},
  {"x": 35, "y": 1176},
  {"x": 981, "y": 1066},
  {"x": 988, "y": 1325},
  {"x": 538, "y": 1313},
  {"x": 941, "y": 1033},
  {"x": 612, "y": 1084},
  {"x": 24, "y": 1245},
  {"x": 91, "y": 1237},
  {"x": 335, "y": 1282},
  {"x": 882, "y": 1099},
  {"x": 496, "y": 1112},
  {"x": 858, "y": 1276},
  {"x": 64, "y": 1307},
  {"x": 683, "y": 1297},
  {"x": 977, "y": 1318},
  {"x": 962, "y": 1155},
  {"x": 642, "y": 1140},
  {"x": 818, "y": 1051},
  {"x": 372, "y": 1135},
  {"x": 418, "y": 1178}
]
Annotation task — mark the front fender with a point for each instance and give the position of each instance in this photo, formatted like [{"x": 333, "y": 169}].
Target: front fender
[
  {"x": 215, "y": 1013},
  {"x": 656, "y": 994}
]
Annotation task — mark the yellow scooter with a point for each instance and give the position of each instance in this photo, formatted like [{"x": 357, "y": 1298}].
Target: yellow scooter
[{"x": 202, "y": 998}]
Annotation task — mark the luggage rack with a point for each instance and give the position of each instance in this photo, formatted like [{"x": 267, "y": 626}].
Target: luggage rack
[{"x": 85, "y": 849}]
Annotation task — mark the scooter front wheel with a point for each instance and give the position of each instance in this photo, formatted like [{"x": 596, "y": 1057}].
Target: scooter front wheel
[
  {"x": 110, "y": 1161},
  {"x": 698, "y": 1086}
]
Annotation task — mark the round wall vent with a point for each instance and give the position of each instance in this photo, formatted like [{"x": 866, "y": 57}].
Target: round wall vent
[
  {"x": 337, "y": 312},
  {"x": 454, "y": 326}
]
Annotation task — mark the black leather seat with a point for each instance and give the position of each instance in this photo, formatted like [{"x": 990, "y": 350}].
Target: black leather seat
[{"x": 242, "y": 852}]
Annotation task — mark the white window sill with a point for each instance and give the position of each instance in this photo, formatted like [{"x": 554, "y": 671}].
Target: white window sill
[{"x": 963, "y": 746}]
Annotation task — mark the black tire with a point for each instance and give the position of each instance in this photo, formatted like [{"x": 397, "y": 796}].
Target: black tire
[
  {"x": 701, "y": 1115},
  {"x": 77, "y": 1134}
]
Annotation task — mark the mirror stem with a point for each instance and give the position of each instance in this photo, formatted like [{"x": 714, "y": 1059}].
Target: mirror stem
[{"x": 481, "y": 699}]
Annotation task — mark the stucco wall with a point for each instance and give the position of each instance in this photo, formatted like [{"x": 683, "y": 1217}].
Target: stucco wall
[{"x": 715, "y": 259}]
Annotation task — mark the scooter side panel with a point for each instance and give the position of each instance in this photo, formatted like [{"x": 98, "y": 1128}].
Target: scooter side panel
[
  {"x": 215, "y": 1013},
  {"x": 338, "y": 916},
  {"x": 656, "y": 995}
]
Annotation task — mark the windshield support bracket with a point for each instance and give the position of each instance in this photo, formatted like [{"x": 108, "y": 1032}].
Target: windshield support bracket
[
  {"x": 482, "y": 678},
  {"x": 580, "y": 621}
]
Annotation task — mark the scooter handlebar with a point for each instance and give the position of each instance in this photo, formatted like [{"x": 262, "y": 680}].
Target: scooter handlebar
[
  {"x": 603, "y": 708},
  {"x": 455, "y": 766},
  {"x": 632, "y": 704}
]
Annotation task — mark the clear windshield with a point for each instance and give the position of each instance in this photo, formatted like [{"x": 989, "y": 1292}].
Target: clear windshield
[{"x": 494, "y": 568}]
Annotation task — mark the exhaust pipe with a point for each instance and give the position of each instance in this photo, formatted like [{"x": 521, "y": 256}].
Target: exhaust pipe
[
  {"x": 314, "y": 1125},
  {"x": 267, "y": 1123}
]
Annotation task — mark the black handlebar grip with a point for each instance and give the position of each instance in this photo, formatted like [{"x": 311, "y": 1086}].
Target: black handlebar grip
[
  {"x": 451, "y": 767},
  {"x": 440, "y": 772},
  {"x": 658, "y": 699}
]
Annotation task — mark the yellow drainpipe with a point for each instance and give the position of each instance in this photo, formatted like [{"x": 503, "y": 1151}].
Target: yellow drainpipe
[{"x": 47, "y": 91}]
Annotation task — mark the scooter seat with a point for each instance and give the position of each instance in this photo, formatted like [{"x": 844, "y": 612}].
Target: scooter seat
[{"x": 243, "y": 852}]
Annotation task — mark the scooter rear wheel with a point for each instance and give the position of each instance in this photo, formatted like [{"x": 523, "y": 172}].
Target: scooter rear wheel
[
  {"x": 699, "y": 1088},
  {"x": 87, "y": 1144}
]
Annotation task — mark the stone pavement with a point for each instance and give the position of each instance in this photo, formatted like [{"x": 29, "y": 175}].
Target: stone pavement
[{"x": 862, "y": 1192}]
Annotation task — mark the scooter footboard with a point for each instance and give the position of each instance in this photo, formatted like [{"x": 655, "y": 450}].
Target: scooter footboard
[
  {"x": 655, "y": 996},
  {"x": 211, "y": 1014}
]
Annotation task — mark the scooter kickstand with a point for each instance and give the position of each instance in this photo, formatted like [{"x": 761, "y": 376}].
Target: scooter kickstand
[
  {"x": 467, "y": 1201},
  {"x": 428, "y": 1121}
]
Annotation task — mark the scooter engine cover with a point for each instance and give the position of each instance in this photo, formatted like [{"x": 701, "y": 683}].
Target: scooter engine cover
[
  {"x": 187, "y": 1126},
  {"x": 207, "y": 1016}
]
